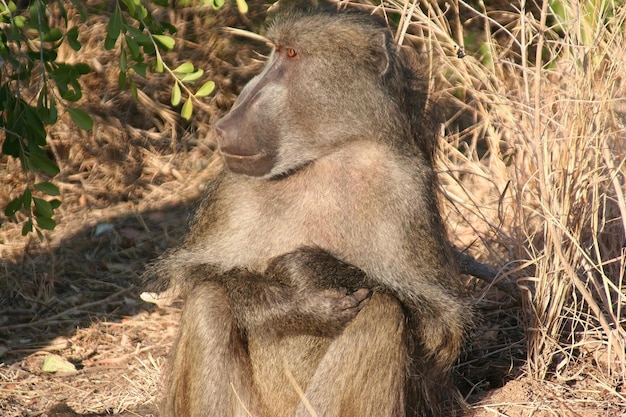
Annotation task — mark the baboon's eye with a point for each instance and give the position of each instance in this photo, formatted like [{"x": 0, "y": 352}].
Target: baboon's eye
[{"x": 291, "y": 52}]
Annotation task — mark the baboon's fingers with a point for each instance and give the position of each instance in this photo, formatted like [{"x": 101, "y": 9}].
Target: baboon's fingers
[
  {"x": 339, "y": 305},
  {"x": 362, "y": 294},
  {"x": 357, "y": 299},
  {"x": 344, "y": 297}
]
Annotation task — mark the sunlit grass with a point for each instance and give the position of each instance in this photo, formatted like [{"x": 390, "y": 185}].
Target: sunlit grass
[{"x": 534, "y": 160}]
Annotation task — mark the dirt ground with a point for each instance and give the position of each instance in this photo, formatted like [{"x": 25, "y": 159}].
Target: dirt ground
[{"x": 74, "y": 334}]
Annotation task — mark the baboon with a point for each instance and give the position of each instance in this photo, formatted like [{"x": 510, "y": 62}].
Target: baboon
[{"x": 317, "y": 277}]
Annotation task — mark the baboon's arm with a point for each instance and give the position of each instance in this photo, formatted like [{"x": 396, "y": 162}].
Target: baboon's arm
[{"x": 302, "y": 292}]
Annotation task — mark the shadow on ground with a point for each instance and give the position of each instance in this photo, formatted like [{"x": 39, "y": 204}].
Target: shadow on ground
[{"x": 79, "y": 301}]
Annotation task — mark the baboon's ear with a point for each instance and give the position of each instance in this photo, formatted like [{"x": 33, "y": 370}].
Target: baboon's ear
[{"x": 380, "y": 44}]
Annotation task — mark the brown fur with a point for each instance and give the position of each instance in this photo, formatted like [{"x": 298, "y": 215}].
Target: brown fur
[{"x": 318, "y": 258}]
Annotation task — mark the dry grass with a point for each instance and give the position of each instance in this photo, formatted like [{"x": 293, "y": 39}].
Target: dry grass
[
  {"x": 534, "y": 164},
  {"x": 533, "y": 171}
]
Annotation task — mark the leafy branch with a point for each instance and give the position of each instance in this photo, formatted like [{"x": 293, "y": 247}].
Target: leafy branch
[
  {"x": 34, "y": 82},
  {"x": 148, "y": 39}
]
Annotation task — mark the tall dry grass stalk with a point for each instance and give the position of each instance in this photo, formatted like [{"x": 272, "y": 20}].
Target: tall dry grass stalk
[{"x": 535, "y": 162}]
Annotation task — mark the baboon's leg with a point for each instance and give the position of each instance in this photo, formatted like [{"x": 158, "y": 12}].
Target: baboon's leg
[
  {"x": 363, "y": 372},
  {"x": 209, "y": 371}
]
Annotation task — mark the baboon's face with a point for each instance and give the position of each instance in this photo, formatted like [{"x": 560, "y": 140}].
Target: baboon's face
[
  {"x": 248, "y": 137},
  {"x": 321, "y": 87}
]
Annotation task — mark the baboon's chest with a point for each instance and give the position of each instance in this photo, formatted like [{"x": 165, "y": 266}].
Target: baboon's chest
[
  {"x": 333, "y": 217},
  {"x": 352, "y": 204}
]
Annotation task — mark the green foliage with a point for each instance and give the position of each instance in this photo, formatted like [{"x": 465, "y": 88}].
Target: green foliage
[
  {"x": 34, "y": 82},
  {"x": 590, "y": 14},
  {"x": 143, "y": 36},
  {"x": 187, "y": 73}
]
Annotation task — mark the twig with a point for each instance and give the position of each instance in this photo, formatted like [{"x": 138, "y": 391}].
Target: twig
[{"x": 68, "y": 311}]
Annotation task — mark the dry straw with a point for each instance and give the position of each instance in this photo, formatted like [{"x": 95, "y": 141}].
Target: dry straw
[{"x": 534, "y": 163}]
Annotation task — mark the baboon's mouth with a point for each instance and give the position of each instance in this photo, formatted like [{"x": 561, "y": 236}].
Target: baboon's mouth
[
  {"x": 254, "y": 165},
  {"x": 241, "y": 157},
  {"x": 238, "y": 159}
]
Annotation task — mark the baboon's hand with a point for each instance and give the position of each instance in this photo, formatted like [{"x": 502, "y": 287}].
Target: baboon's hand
[
  {"x": 335, "y": 308},
  {"x": 320, "y": 312},
  {"x": 312, "y": 267},
  {"x": 267, "y": 304}
]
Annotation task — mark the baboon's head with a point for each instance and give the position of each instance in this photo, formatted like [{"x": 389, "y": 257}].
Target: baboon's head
[{"x": 326, "y": 82}]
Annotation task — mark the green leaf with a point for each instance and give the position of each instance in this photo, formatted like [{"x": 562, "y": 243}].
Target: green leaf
[
  {"x": 33, "y": 124},
  {"x": 55, "y": 203},
  {"x": 13, "y": 206},
  {"x": 184, "y": 68},
  {"x": 176, "y": 95},
  {"x": 141, "y": 69},
  {"x": 187, "y": 109},
  {"x": 44, "y": 54},
  {"x": 114, "y": 28},
  {"x": 81, "y": 11},
  {"x": 193, "y": 76},
  {"x": 14, "y": 33},
  {"x": 206, "y": 89},
  {"x": 48, "y": 188},
  {"x": 37, "y": 13},
  {"x": 27, "y": 228},
  {"x": 27, "y": 199},
  {"x": 42, "y": 208},
  {"x": 45, "y": 222},
  {"x": 63, "y": 12},
  {"x": 51, "y": 116},
  {"x": 133, "y": 89},
  {"x": 11, "y": 146},
  {"x": 140, "y": 11},
  {"x": 131, "y": 6},
  {"x": 43, "y": 163},
  {"x": 121, "y": 80},
  {"x": 52, "y": 36},
  {"x": 20, "y": 21},
  {"x": 109, "y": 43},
  {"x": 74, "y": 93},
  {"x": 159, "y": 65},
  {"x": 242, "y": 6},
  {"x": 12, "y": 7},
  {"x": 168, "y": 27},
  {"x": 166, "y": 41},
  {"x": 133, "y": 47},
  {"x": 123, "y": 60},
  {"x": 72, "y": 38},
  {"x": 47, "y": 110},
  {"x": 138, "y": 35},
  {"x": 149, "y": 48},
  {"x": 82, "y": 68},
  {"x": 82, "y": 119},
  {"x": 4, "y": 50}
]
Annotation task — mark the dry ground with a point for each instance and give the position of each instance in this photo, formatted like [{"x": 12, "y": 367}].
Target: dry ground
[{"x": 128, "y": 190}]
